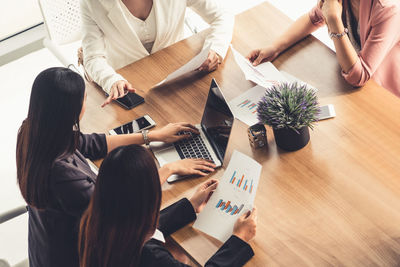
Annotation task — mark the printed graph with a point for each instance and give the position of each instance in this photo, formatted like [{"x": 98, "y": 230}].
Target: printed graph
[
  {"x": 248, "y": 104},
  {"x": 247, "y": 185},
  {"x": 228, "y": 208}
]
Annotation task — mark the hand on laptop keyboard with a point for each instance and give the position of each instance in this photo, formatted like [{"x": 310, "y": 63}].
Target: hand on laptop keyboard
[{"x": 192, "y": 148}]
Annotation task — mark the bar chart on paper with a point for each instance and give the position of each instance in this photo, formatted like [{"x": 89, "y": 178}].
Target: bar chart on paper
[
  {"x": 241, "y": 182},
  {"x": 228, "y": 207},
  {"x": 249, "y": 105},
  {"x": 244, "y": 106}
]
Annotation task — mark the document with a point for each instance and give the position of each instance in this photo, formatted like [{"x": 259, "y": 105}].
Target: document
[
  {"x": 192, "y": 65},
  {"x": 233, "y": 197},
  {"x": 291, "y": 78},
  {"x": 244, "y": 106},
  {"x": 264, "y": 74}
]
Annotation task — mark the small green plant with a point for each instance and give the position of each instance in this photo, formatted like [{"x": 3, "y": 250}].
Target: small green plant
[{"x": 288, "y": 105}]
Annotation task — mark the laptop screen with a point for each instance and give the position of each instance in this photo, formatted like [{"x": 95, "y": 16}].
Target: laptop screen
[{"x": 217, "y": 120}]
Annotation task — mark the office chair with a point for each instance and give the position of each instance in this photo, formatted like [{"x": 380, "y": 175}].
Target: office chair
[
  {"x": 62, "y": 19},
  {"x": 4, "y": 217}
]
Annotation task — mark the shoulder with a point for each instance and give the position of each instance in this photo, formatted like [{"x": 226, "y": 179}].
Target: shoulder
[
  {"x": 64, "y": 169},
  {"x": 384, "y": 9},
  {"x": 93, "y": 6}
]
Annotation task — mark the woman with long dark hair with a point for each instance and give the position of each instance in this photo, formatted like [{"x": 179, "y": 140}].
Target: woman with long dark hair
[
  {"x": 53, "y": 174},
  {"x": 123, "y": 225}
]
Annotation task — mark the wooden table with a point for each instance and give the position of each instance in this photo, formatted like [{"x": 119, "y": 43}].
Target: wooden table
[{"x": 335, "y": 202}]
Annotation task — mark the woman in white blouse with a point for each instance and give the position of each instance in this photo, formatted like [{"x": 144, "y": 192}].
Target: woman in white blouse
[{"x": 119, "y": 32}]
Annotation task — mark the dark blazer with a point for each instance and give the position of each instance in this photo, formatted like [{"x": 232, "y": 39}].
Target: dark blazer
[
  {"x": 234, "y": 252},
  {"x": 53, "y": 232}
]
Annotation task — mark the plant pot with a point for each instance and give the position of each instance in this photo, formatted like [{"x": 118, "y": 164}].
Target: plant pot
[{"x": 289, "y": 140}]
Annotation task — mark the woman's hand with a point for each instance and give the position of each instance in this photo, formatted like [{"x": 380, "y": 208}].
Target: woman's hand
[
  {"x": 245, "y": 226},
  {"x": 203, "y": 194},
  {"x": 211, "y": 62},
  {"x": 331, "y": 10},
  {"x": 266, "y": 54},
  {"x": 191, "y": 167},
  {"x": 169, "y": 133},
  {"x": 118, "y": 89},
  {"x": 186, "y": 167}
]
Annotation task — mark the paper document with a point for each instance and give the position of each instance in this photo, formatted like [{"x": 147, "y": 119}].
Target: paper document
[
  {"x": 244, "y": 106},
  {"x": 234, "y": 196},
  {"x": 291, "y": 78},
  {"x": 192, "y": 65},
  {"x": 264, "y": 74}
]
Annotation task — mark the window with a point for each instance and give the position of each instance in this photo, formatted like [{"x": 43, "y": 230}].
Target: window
[{"x": 17, "y": 16}]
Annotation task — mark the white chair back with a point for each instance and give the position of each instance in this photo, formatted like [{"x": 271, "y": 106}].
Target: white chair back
[{"x": 62, "y": 19}]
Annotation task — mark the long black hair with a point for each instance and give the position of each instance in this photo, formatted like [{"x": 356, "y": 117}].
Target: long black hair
[
  {"x": 51, "y": 130},
  {"x": 123, "y": 210}
]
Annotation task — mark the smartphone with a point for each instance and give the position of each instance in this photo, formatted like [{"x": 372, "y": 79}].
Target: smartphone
[
  {"x": 134, "y": 126},
  {"x": 130, "y": 100},
  {"x": 327, "y": 112}
]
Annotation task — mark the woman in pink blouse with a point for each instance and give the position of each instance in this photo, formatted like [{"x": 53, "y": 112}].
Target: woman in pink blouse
[{"x": 366, "y": 35}]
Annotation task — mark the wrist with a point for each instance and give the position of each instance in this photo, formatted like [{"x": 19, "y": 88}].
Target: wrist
[
  {"x": 168, "y": 169},
  {"x": 192, "y": 201},
  {"x": 335, "y": 24},
  {"x": 277, "y": 47},
  {"x": 152, "y": 136}
]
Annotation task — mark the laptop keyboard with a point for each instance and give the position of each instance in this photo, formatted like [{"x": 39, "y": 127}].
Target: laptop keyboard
[{"x": 192, "y": 148}]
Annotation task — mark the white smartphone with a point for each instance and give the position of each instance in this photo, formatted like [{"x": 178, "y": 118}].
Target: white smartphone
[
  {"x": 327, "y": 112},
  {"x": 134, "y": 126}
]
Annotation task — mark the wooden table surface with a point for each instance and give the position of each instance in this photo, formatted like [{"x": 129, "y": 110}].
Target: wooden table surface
[{"x": 335, "y": 202}]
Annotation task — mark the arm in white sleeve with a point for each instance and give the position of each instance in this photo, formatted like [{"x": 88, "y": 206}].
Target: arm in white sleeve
[
  {"x": 94, "y": 53},
  {"x": 220, "y": 20}
]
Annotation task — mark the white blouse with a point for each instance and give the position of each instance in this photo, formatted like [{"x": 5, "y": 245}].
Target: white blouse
[
  {"x": 111, "y": 41},
  {"x": 145, "y": 29}
]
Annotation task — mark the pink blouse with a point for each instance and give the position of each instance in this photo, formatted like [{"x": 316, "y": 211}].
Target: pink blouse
[{"x": 379, "y": 57}]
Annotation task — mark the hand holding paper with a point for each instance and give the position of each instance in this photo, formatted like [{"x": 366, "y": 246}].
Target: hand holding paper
[
  {"x": 233, "y": 197},
  {"x": 264, "y": 74},
  {"x": 192, "y": 65}
]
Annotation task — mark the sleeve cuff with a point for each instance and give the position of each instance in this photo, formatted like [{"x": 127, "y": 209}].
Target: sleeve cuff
[
  {"x": 110, "y": 81},
  {"x": 316, "y": 17},
  {"x": 237, "y": 242},
  {"x": 234, "y": 252},
  {"x": 188, "y": 209},
  {"x": 356, "y": 76}
]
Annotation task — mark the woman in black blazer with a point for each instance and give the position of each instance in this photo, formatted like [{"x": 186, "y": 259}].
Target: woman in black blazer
[
  {"x": 123, "y": 226},
  {"x": 53, "y": 174}
]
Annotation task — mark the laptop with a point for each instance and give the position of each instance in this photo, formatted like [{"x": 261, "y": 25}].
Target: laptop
[{"x": 215, "y": 130}]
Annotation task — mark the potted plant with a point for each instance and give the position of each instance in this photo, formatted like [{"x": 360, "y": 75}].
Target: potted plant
[{"x": 290, "y": 109}]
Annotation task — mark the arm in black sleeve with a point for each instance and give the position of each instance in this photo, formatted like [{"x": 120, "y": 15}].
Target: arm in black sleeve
[
  {"x": 234, "y": 252},
  {"x": 155, "y": 254},
  {"x": 93, "y": 146},
  {"x": 176, "y": 216}
]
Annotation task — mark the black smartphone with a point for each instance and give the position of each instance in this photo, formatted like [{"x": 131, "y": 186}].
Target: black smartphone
[{"x": 130, "y": 100}]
